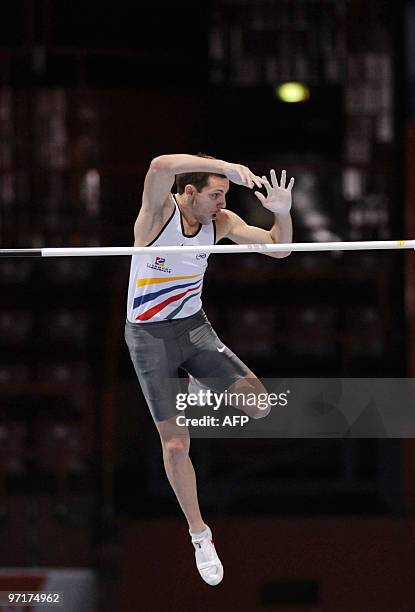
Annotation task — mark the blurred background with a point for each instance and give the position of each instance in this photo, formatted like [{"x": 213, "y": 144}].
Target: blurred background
[{"x": 89, "y": 93}]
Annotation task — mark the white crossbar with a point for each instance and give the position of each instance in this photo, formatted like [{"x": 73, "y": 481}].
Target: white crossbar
[{"x": 368, "y": 245}]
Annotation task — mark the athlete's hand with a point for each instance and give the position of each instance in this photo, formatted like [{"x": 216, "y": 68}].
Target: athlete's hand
[
  {"x": 241, "y": 175},
  {"x": 278, "y": 198}
]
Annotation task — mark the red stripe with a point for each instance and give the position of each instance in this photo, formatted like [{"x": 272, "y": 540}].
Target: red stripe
[{"x": 152, "y": 311}]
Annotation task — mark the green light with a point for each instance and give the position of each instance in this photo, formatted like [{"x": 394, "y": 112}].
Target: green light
[{"x": 292, "y": 92}]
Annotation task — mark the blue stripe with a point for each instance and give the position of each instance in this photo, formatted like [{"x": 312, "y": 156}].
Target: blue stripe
[{"x": 142, "y": 299}]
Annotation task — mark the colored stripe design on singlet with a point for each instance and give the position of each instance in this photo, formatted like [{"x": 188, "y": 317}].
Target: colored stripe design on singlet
[
  {"x": 153, "y": 281},
  {"x": 145, "y": 316},
  {"x": 142, "y": 299},
  {"x": 178, "y": 309}
]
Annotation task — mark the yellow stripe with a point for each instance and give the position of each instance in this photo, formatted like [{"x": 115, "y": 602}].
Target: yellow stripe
[
  {"x": 154, "y": 281},
  {"x": 401, "y": 243}
]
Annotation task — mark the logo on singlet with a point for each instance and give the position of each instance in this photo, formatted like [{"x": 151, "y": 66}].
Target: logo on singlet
[
  {"x": 201, "y": 256},
  {"x": 160, "y": 265}
]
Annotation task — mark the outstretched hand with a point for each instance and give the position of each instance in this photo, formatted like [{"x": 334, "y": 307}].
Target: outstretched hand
[
  {"x": 242, "y": 175},
  {"x": 278, "y": 198}
]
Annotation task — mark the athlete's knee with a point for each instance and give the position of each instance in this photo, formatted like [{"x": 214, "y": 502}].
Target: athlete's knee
[
  {"x": 262, "y": 410},
  {"x": 262, "y": 405},
  {"x": 252, "y": 397},
  {"x": 175, "y": 449}
]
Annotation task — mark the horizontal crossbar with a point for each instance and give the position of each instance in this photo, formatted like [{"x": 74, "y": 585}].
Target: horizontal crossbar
[{"x": 368, "y": 245}]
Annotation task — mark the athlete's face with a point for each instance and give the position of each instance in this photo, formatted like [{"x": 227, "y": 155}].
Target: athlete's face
[{"x": 208, "y": 202}]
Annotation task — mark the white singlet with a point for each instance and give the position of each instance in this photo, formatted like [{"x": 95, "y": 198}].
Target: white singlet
[{"x": 163, "y": 287}]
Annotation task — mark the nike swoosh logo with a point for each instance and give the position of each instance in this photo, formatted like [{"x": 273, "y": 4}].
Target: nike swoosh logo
[{"x": 221, "y": 349}]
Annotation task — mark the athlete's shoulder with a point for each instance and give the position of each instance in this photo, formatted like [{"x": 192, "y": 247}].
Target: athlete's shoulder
[
  {"x": 225, "y": 221},
  {"x": 150, "y": 223}
]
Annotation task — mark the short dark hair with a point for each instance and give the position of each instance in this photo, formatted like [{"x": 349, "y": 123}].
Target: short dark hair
[{"x": 197, "y": 179}]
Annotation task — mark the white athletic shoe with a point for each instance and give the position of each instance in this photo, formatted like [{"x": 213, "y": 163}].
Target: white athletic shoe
[{"x": 207, "y": 560}]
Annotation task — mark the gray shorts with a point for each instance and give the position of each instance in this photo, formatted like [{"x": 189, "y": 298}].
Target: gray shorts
[{"x": 158, "y": 350}]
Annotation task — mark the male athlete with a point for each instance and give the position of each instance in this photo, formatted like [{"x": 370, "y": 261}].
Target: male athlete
[{"x": 166, "y": 328}]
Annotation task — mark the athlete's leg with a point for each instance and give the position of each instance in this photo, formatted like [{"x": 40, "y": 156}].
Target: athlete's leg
[
  {"x": 175, "y": 441},
  {"x": 155, "y": 354},
  {"x": 249, "y": 386},
  {"x": 212, "y": 365}
]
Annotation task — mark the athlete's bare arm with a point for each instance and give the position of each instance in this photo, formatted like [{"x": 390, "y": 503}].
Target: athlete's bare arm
[
  {"x": 278, "y": 201},
  {"x": 157, "y": 205}
]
